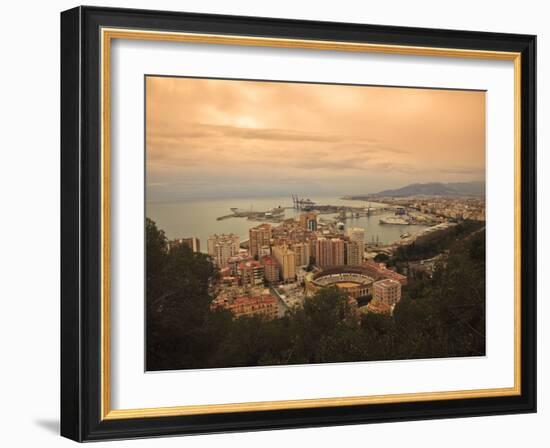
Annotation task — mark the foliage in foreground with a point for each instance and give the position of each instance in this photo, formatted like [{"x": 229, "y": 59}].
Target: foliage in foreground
[{"x": 439, "y": 317}]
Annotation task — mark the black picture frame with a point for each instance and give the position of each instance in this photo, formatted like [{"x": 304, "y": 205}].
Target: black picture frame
[{"x": 81, "y": 224}]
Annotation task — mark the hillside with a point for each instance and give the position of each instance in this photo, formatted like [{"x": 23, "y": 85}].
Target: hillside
[{"x": 433, "y": 189}]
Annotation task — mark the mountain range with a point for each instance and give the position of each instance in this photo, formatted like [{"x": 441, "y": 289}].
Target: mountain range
[{"x": 433, "y": 189}]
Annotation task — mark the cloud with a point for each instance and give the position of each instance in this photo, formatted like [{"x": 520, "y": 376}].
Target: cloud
[
  {"x": 476, "y": 171},
  {"x": 206, "y": 134}
]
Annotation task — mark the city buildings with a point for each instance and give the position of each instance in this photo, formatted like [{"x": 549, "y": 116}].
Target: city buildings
[
  {"x": 387, "y": 291},
  {"x": 354, "y": 253},
  {"x": 377, "y": 307},
  {"x": 302, "y": 252},
  {"x": 355, "y": 246},
  {"x": 264, "y": 250},
  {"x": 193, "y": 243},
  {"x": 329, "y": 252},
  {"x": 308, "y": 221},
  {"x": 356, "y": 234},
  {"x": 458, "y": 208},
  {"x": 264, "y": 305},
  {"x": 227, "y": 279},
  {"x": 251, "y": 273},
  {"x": 271, "y": 269},
  {"x": 338, "y": 249},
  {"x": 234, "y": 261},
  {"x": 259, "y": 238},
  {"x": 299, "y": 256},
  {"x": 352, "y": 280},
  {"x": 386, "y": 294},
  {"x": 287, "y": 262},
  {"x": 380, "y": 271},
  {"x": 222, "y": 247}
]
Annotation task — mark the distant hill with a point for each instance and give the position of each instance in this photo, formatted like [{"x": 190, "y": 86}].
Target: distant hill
[{"x": 433, "y": 189}]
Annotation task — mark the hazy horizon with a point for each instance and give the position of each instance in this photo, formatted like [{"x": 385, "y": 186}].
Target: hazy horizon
[{"x": 215, "y": 139}]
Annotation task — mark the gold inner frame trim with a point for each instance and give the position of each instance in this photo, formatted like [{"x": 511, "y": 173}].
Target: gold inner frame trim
[{"x": 107, "y": 35}]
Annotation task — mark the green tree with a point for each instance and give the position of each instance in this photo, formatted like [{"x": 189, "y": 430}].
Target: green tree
[
  {"x": 382, "y": 258},
  {"x": 156, "y": 251},
  {"x": 180, "y": 325},
  {"x": 325, "y": 329}
]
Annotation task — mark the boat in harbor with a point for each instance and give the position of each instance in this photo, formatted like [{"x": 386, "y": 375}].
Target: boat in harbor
[
  {"x": 395, "y": 220},
  {"x": 276, "y": 211}
]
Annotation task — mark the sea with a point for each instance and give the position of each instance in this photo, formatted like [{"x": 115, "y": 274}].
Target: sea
[{"x": 197, "y": 218}]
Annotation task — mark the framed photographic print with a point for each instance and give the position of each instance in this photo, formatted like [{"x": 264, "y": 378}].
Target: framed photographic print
[{"x": 274, "y": 223}]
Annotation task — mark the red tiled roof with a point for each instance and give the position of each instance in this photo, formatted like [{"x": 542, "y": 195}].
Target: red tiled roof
[{"x": 266, "y": 298}]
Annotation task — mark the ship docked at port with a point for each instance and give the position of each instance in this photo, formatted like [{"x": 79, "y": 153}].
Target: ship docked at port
[
  {"x": 395, "y": 220},
  {"x": 400, "y": 218}
]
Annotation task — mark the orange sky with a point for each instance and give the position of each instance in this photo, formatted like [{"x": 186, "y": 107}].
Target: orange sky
[{"x": 219, "y": 138}]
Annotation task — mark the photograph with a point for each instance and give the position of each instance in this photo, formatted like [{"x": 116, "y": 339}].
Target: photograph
[
  {"x": 304, "y": 223},
  {"x": 283, "y": 221}
]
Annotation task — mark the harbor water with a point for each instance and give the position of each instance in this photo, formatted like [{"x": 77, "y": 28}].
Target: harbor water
[{"x": 199, "y": 218}]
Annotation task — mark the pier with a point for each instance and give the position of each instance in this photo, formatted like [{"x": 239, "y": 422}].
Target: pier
[
  {"x": 273, "y": 215},
  {"x": 344, "y": 212}
]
